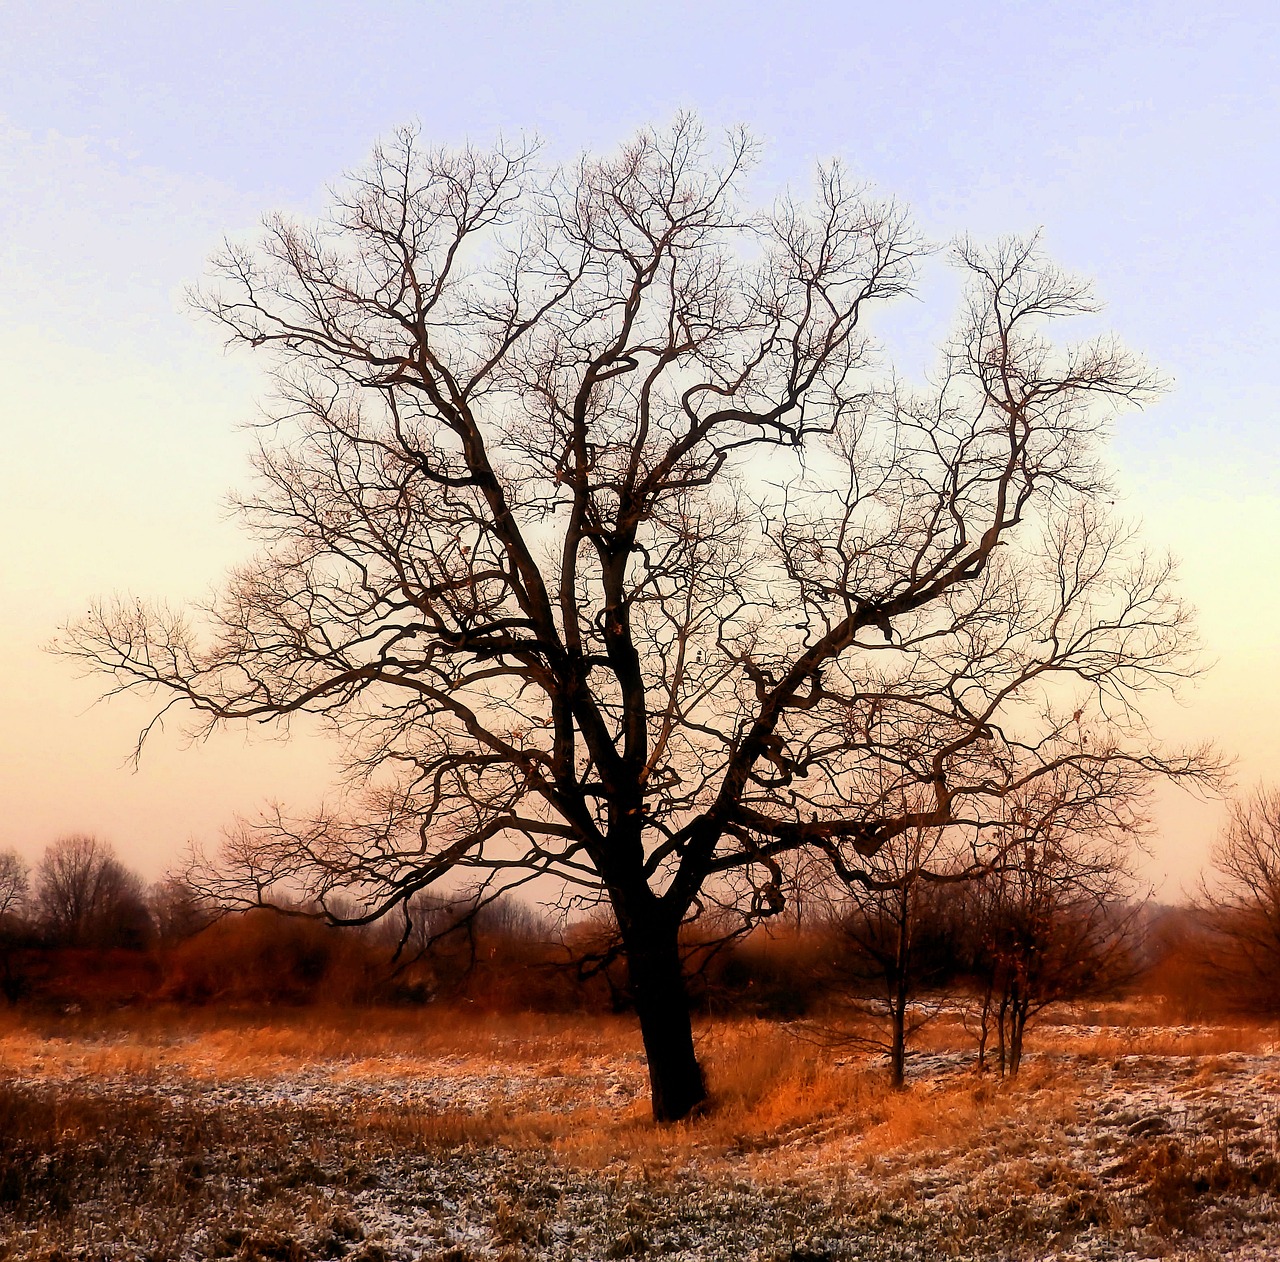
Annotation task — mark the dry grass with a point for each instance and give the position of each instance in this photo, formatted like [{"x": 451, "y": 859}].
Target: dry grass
[
  {"x": 768, "y": 1082},
  {"x": 1214, "y": 1041},
  {"x": 770, "y": 1086},
  {"x": 287, "y": 1174},
  {"x": 1139, "y": 1028},
  {"x": 263, "y": 1042}
]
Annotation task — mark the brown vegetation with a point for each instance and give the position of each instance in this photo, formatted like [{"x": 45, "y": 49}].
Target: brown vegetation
[{"x": 309, "y": 1134}]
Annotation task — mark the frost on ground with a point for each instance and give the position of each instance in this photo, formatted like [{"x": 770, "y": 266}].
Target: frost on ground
[{"x": 1097, "y": 1152}]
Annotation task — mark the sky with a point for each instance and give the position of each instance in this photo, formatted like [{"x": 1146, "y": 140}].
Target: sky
[{"x": 1141, "y": 139}]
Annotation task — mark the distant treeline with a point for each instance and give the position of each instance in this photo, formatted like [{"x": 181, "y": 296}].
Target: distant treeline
[
  {"x": 85, "y": 931},
  {"x": 82, "y": 929}
]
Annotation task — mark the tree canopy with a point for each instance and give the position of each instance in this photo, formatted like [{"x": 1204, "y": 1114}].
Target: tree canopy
[{"x": 591, "y": 522}]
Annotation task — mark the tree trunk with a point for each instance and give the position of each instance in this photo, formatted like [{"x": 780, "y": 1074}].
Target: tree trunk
[
  {"x": 901, "y": 992},
  {"x": 661, "y": 999},
  {"x": 898, "y": 1050},
  {"x": 1017, "y": 1028}
]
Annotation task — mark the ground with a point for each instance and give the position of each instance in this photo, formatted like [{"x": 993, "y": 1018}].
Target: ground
[{"x": 437, "y": 1135}]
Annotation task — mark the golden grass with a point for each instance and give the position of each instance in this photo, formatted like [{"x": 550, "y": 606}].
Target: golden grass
[
  {"x": 244, "y": 1042},
  {"x": 1214, "y": 1040},
  {"x": 778, "y": 1094},
  {"x": 769, "y": 1087},
  {"x": 772, "y": 1090}
]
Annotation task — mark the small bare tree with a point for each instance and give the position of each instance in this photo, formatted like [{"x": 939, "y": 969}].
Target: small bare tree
[
  {"x": 587, "y": 525},
  {"x": 893, "y": 925},
  {"x": 1056, "y": 916}
]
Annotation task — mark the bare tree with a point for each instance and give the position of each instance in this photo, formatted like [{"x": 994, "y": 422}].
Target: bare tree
[
  {"x": 14, "y": 884},
  {"x": 1056, "y": 916},
  {"x": 1241, "y": 903},
  {"x": 585, "y": 523},
  {"x": 86, "y": 897},
  {"x": 893, "y": 925}
]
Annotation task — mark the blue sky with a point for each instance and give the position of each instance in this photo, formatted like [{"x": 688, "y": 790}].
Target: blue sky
[{"x": 1140, "y": 137}]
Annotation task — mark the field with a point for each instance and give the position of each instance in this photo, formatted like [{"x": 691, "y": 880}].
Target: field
[{"x": 380, "y": 1135}]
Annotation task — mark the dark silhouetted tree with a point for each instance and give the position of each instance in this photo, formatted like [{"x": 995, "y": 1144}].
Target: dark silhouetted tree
[{"x": 589, "y": 526}]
